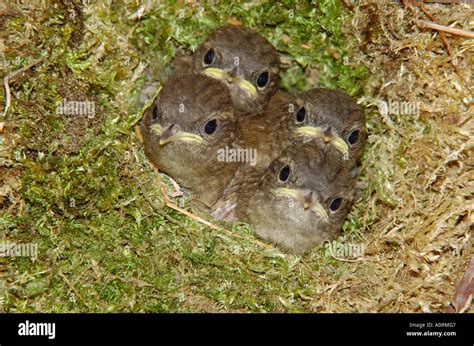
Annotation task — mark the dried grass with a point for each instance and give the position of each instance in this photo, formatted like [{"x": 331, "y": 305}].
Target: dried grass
[{"x": 419, "y": 166}]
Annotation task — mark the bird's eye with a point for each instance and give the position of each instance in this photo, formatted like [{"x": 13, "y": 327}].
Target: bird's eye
[
  {"x": 335, "y": 204},
  {"x": 284, "y": 173},
  {"x": 210, "y": 127},
  {"x": 301, "y": 115},
  {"x": 353, "y": 137},
  {"x": 262, "y": 80},
  {"x": 209, "y": 57},
  {"x": 154, "y": 113}
]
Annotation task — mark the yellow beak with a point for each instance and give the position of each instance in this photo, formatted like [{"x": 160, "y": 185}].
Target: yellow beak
[
  {"x": 168, "y": 136},
  {"x": 157, "y": 129},
  {"x": 298, "y": 195},
  {"x": 224, "y": 76},
  {"x": 183, "y": 137},
  {"x": 318, "y": 132}
]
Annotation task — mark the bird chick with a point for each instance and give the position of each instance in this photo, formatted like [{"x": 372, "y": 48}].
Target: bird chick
[
  {"x": 335, "y": 118},
  {"x": 182, "y": 131},
  {"x": 299, "y": 201},
  {"x": 245, "y": 61},
  {"x": 270, "y": 132}
]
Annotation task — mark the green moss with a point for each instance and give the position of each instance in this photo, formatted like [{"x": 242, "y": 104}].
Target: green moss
[{"x": 86, "y": 205}]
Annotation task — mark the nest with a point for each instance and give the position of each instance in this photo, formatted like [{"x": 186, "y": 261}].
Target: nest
[
  {"x": 417, "y": 174},
  {"x": 83, "y": 190}
]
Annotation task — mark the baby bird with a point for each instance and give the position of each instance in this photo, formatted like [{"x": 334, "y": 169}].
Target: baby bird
[
  {"x": 189, "y": 121},
  {"x": 245, "y": 61},
  {"x": 270, "y": 132},
  {"x": 325, "y": 115},
  {"x": 297, "y": 202},
  {"x": 335, "y": 118}
]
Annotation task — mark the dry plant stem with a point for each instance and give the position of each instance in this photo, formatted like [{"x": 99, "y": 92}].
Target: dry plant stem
[
  {"x": 35, "y": 274},
  {"x": 152, "y": 205},
  {"x": 168, "y": 201},
  {"x": 170, "y": 204},
  {"x": 11, "y": 76},
  {"x": 443, "y": 37},
  {"x": 138, "y": 132},
  {"x": 459, "y": 32},
  {"x": 199, "y": 219},
  {"x": 440, "y": 31},
  {"x": 72, "y": 288}
]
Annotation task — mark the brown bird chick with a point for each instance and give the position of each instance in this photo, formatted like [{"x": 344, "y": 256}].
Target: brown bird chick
[
  {"x": 182, "y": 131},
  {"x": 319, "y": 114},
  {"x": 297, "y": 202},
  {"x": 334, "y": 117},
  {"x": 245, "y": 61},
  {"x": 272, "y": 131}
]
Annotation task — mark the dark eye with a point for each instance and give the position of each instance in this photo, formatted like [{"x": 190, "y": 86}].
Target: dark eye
[
  {"x": 209, "y": 57},
  {"x": 154, "y": 113},
  {"x": 353, "y": 137},
  {"x": 301, "y": 115},
  {"x": 335, "y": 204},
  {"x": 210, "y": 127},
  {"x": 284, "y": 173},
  {"x": 262, "y": 80}
]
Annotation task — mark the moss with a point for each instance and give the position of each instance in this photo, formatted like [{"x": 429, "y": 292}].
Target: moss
[{"x": 81, "y": 187}]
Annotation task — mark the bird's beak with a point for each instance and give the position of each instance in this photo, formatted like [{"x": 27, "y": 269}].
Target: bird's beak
[
  {"x": 157, "y": 129},
  {"x": 232, "y": 73},
  {"x": 326, "y": 135},
  {"x": 173, "y": 133},
  {"x": 306, "y": 200},
  {"x": 231, "y": 78},
  {"x": 245, "y": 85},
  {"x": 216, "y": 73}
]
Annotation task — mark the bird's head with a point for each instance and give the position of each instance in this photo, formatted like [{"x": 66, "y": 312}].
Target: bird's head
[
  {"x": 333, "y": 117},
  {"x": 191, "y": 111},
  {"x": 309, "y": 180},
  {"x": 245, "y": 61}
]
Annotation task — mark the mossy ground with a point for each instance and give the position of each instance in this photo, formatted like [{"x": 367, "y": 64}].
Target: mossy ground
[{"x": 81, "y": 188}]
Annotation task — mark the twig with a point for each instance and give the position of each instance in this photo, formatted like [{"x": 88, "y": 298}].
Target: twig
[
  {"x": 460, "y": 32},
  {"x": 158, "y": 210},
  {"x": 443, "y": 37},
  {"x": 138, "y": 132},
  {"x": 171, "y": 205},
  {"x": 72, "y": 288},
  {"x": 39, "y": 273},
  {"x": 11, "y": 76},
  {"x": 423, "y": 24}
]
